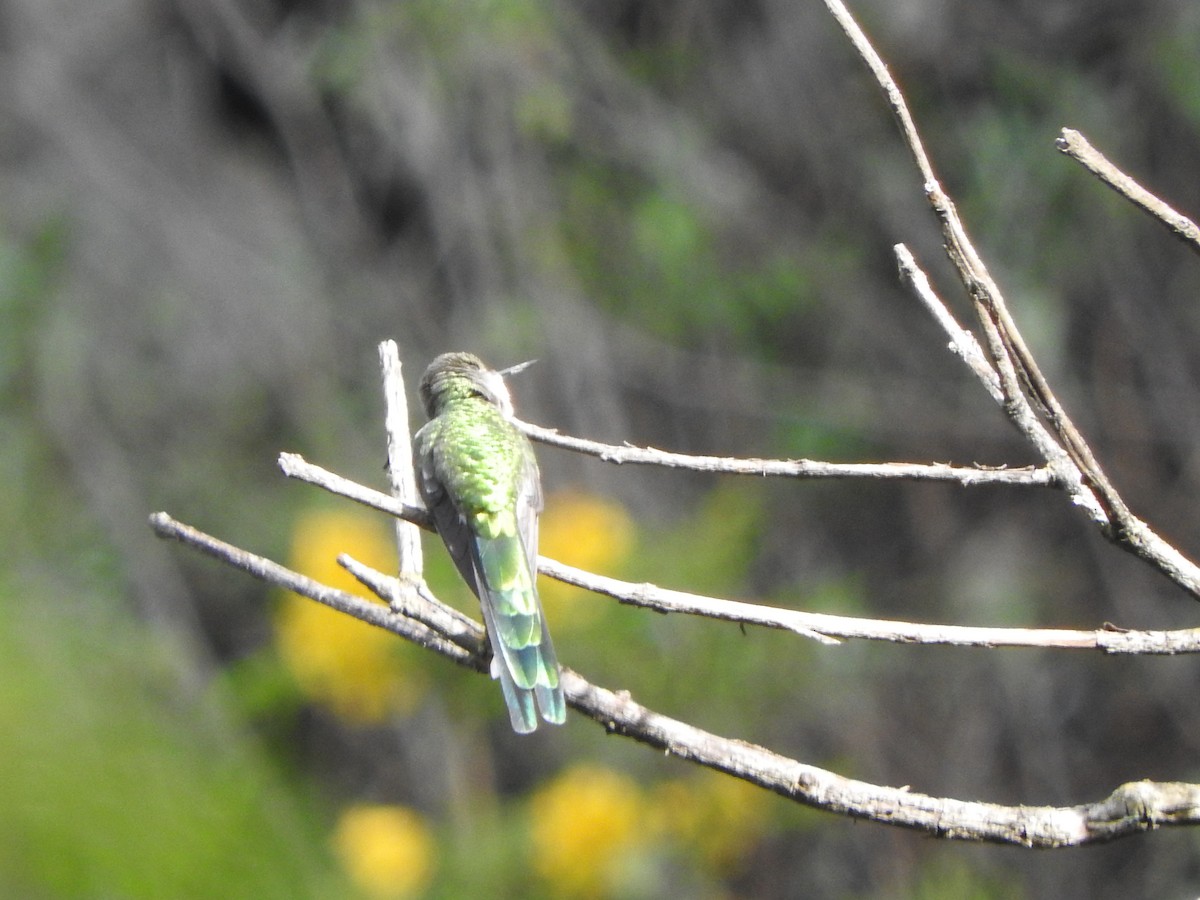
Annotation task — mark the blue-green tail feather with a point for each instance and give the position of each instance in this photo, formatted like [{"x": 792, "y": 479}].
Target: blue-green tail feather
[{"x": 524, "y": 658}]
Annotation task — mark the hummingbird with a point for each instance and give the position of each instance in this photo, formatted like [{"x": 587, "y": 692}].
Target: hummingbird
[{"x": 479, "y": 479}]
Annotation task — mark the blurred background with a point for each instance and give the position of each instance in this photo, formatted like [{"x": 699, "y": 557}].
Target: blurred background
[{"x": 211, "y": 211}]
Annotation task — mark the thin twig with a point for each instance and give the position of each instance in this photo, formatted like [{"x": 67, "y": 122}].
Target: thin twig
[
  {"x": 832, "y": 629},
  {"x": 791, "y": 468},
  {"x": 400, "y": 465},
  {"x": 1002, "y": 382},
  {"x": 1076, "y": 146},
  {"x": 293, "y": 465},
  {"x": 445, "y": 620},
  {"x": 410, "y": 595},
  {"x": 1089, "y": 487},
  {"x": 1130, "y": 809},
  {"x": 824, "y": 628},
  {"x": 989, "y": 302},
  {"x": 962, "y": 342},
  {"x": 372, "y": 613}
]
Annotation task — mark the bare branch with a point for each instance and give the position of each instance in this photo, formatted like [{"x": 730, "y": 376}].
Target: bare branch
[
  {"x": 832, "y": 629},
  {"x": 962, "y": 342},
  {"x": 989, "y": 302},
  {"x": 409, "y": 595},
  {"x": 445, "y": 620},
  {"x": 470, "y": 652},
  {"x": 400, "y": 465},
  {"x": 1076, "y": 146},
  {"x": 967, "y": 476},
  {"x": 1089, "y": 487},
  {"x": 824, "y": 628},
  {"x": 1132, "y": 808},
  {"x": 293, "y": 465},
  {"x": 891, "y": 91},
  {"x": 1001, "y": 380}
]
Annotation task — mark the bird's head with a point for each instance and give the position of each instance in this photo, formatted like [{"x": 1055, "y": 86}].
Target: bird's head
[{"x": 457, "y": 376}]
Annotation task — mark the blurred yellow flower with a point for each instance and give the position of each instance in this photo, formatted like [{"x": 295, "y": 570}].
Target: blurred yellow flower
[
  {"x": 585, "y": 825},
  {"x": 585, "y": 531},
  {"x": 358, "y": 671},
  {"x": 717, "y": 817},
  {"x": 388, "y": 851}
]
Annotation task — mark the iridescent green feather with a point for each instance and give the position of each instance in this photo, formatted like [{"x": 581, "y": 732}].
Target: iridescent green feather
[{"x": 479, "y": 478}]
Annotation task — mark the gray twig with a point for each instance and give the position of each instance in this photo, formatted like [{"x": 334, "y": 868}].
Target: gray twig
[
  {"x": 1021, "y": 380},
  {"x": 1011, "y": 376},
  {"x": 293, "y": 465},
  {"x": 1130, "y": 809},
  {"x": 469, "y": 650},
  {"x": 824, "y": 628},
  {"x": 833, "y": 629},
  {"x": 400, "y": 465},
  {"x": 1076, "y": 146},
  {"x": 627, "y": 454}
]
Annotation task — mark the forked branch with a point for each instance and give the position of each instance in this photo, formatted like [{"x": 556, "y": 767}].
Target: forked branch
[
  {"x": 824, "y": 628},
  {"x": 1009, "y": 374},
  {"x": 1024, "y": 390},
  {"x": 1130, "y": 809}
]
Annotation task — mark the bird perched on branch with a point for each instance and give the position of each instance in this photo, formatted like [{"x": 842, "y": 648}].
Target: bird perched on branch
[{"x": 479, "y": 479}]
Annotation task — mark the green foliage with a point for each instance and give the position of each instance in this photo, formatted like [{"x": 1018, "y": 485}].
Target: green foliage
[
  {"x": 1178, "y": 66},
  {"x": 28, "y": 272},
  {"x": 801, "y": 434},
  {"x": 653, "y": 259},
  {"x": 452, "y": 34},
  {"x": 117, "y": 780},
  {"x": 951, "y": 878},
  {"x": 735, "y": 676},
  {"x": 115, "y": 786},
  {"x": 453, "y": 20},
  {"x": 711, "y": 550},
  {"x": 35, "y": 496}
]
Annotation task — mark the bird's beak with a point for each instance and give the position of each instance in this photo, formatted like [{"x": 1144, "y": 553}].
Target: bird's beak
[{"x": 519, "y": 367}]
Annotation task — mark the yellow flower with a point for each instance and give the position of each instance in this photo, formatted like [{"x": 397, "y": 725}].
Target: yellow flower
[
  {"x": 585, "y": 826},
  {"x": 587, "y": 532},
  {"x": 358, "y": 671},
  {"x": 388, "y": 851}
]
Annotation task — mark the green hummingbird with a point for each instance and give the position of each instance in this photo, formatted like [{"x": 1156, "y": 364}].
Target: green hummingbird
[{"x": 479, "y": 479}]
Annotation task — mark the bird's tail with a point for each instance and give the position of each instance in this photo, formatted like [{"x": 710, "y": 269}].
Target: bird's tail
[{"x": 523, "y": 656}]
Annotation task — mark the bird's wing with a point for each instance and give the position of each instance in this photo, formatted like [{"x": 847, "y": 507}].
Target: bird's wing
[
  {"x": 451, "y": 524},
  {"x": 508, "y": 595},
  {"x": 496, "y": 553},
  {"x": 529, "y": 507}
]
